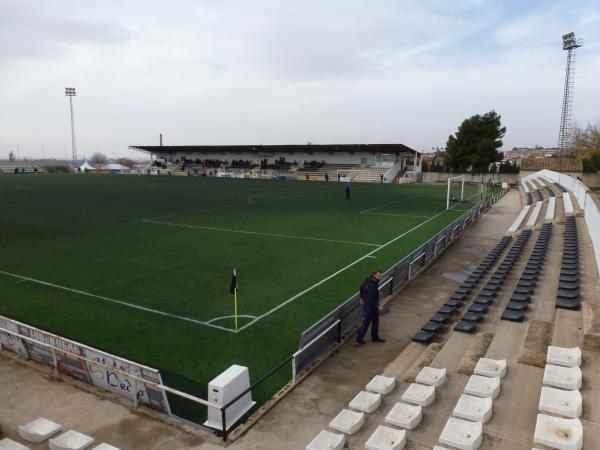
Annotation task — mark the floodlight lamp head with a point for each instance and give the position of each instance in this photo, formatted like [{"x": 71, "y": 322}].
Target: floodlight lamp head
[
  {"x": 70, "y": 92},
  {"x": 570, "y": 42}
]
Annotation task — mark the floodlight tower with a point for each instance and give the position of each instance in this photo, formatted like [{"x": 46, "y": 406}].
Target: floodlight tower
[
  {"x": 570, "y": 44},
  {"x": 70, "y": 92}
]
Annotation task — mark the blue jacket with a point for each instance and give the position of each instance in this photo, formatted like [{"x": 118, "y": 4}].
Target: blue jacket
[{"x": 369, "y": 292}]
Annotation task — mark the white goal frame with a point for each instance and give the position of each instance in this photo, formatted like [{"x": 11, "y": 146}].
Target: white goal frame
[{"x": 462, "y": 189}]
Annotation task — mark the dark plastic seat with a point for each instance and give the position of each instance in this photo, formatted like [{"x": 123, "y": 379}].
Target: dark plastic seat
[
  {"x": 568, "y": 278},
  {"x": 533, "y": 272},
  {"x": 518, "y": 306},
  {"x": 471, "y": 316},
  {"x": 487, "y": 294},
  {"x": 523, "y": 290},
  {"x": 573, "y": 304},
  {"x": 462, "y": 290},
  {"x": 453, "y": 303},
  {"x": 465, "y": 327},
  {"x": 563, "y": 293},
  {"x": 433, "y": 327},
  {"x": 423, "y": 336},
  {"x": 512, "y": 315},
  {"x": 520, "y": 297},
  {"x": 528, "y": 277},
  {"x": 494, "y": 283},
  {"x": 447, "y": 310},
  {"x": 569, "y": 272},
  {"x": 459, "y": 297},
  {"x": 571, "y": 266},
  {"x": 483, "y": 301},
  {"x": 568, "y": 285},
  {"x": 441, "y": 318},
  {"x": 478, "y": 308},
  {"x": 526, "y": 283}
]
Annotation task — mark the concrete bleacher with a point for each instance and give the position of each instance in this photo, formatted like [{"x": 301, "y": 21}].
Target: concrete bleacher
[{"x": 354, "y": 172}]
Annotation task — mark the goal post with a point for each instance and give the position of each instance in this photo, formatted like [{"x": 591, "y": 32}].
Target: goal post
[{"x": 449, "y": 196}]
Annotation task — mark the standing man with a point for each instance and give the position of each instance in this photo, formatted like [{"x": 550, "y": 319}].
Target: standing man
[
  {"x": 369, "y": 298},
  {"x": 347, "y": 190}
]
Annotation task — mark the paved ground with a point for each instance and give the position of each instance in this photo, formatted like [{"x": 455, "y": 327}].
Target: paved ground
[{"x": 26, "y": 394}]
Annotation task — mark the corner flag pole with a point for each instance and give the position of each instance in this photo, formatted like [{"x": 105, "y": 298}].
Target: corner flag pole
[{"x": 233, "y": 288}]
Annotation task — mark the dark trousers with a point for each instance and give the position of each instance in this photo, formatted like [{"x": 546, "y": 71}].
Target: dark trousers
[
  {"x": 347, "y": 194},
  {"x": 370, "y": 317}
]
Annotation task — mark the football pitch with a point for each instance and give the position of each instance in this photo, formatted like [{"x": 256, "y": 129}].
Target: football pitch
[{"x": 141, "y": 266}]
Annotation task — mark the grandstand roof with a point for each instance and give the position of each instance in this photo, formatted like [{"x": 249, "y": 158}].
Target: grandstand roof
[
  {"x": 568, "y": 164},
  {"x": 308, "y": 148}
]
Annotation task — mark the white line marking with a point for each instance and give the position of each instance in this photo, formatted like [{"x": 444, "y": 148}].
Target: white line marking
[
  {"x": 396, "y": 215},
  {"x": 388, "y": 203},
  {"x": 230, "y": 317},
  {"x": 256, "y": 233},
  {"x": 319, "y": 283},
  {"x": 371, "y": 256},
  {"x": 21, "y": 281},
  {"x": 118, "y": 302}
]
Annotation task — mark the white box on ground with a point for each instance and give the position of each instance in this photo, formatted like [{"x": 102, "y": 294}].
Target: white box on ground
[{"x": 225, "y": 388}]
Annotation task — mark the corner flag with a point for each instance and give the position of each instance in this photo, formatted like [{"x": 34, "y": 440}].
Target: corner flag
[{"x": 233, "y": 288}]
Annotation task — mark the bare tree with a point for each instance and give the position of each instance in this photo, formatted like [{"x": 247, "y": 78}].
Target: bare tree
[{"x": 99, "y": 158}]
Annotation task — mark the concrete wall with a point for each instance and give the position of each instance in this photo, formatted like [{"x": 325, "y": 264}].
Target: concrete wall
[
  {"x": 434, "y": 177},
  {"x": 587, "y": 202}
]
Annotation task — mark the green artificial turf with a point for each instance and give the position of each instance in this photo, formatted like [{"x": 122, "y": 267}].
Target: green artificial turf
[{"x": 101, "y": 234}]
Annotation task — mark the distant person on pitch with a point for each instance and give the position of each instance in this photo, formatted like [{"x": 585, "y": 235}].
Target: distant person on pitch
[
  {"x": 347, "y": 190},
  {"x": 369, "y": 299}
]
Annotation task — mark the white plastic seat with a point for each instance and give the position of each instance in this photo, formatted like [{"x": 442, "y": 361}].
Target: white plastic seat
[
  {"x": 563, "y": 434},
  {"x": 404, "y": 415},
  {"x": 437, "y": 447},
  {"x": 561, "y": 356},
  {"x": 491, "y": 367},
  {"x": 381, "y": 385},
  {"x": 386, "y": 438},
  {"x": 481, "y": 386},
  {"x": 71, "y": 440},
  {"x": 431, "y": 376},
  {"x": 105, "y": 446},
  {"x": 462, "y": 434},
  {"x": 9, "y": 444},
  {"x": 326, "y": 440},
  {"x": 558, "y": 401},
  {"x": 419, "y": 394},
  {"x": 477, "y": 409},
  {"x": 39, "y": 430},
  {"x": 365, "y": 402},
  {"x": 562, "y": 377},
  {"x": 348, "y": 421}
]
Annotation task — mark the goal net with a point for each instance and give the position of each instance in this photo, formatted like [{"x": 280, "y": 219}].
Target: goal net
[{"x": 456, "y": 191}]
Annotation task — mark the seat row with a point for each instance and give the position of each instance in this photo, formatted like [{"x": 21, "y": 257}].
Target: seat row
[
  {"x": 480, "y": 307},
  {"x": 43, "y": 429},
  {"x": 560, "y": 396},
  {"x": 456, "y": 299},
  {"x": 474, "y": 407},
  {"x": 529, "y": 199},
  {"x": 405, "y": 415},
  {"x": 521, "y": 296},
  {"x": 568, "y": 293}
]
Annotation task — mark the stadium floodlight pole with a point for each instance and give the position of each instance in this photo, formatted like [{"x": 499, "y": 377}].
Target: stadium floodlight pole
[
  {"x": 70, "y": 92},
  {"x": 570, "y": 44}
]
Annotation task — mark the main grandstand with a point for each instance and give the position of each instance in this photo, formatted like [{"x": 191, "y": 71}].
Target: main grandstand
[{"x": 354, "y": 162}]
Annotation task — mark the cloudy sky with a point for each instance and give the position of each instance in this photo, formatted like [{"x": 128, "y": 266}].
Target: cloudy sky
[{"x": 287, "y": 71}]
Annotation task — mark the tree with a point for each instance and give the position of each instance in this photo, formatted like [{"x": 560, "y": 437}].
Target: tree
[
  {"x": 98, "y": 158},
  {"x": 475, "y": 145},
  {"x": 11, "y": 156},
  {"x": 586, "y": 144},
  {"x": 126, "y": 162}
]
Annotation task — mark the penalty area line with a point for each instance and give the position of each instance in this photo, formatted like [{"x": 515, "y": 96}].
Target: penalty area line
[
  {"x": 256, "y": 233},
  {"x": 118, "y": 302}
]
